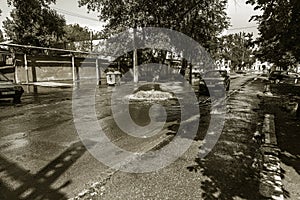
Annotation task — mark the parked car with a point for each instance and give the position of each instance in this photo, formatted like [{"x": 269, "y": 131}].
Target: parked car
[
  {"x": 240, "y": 71},
  {"x": 277, "y": 75},
  {"x": 215, "y": 80},
  {"x": 294, "y": 77},
  {"x": 8, "y": 89}
]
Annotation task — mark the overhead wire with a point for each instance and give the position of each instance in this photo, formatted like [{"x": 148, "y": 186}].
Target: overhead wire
[
  {"x": 240, "y": 28},
  {"x": 93, "y": 19},
  {"x": 62, "y": 11}
]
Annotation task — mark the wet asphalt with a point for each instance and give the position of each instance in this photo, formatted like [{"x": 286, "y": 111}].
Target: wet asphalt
[{"x": 42, "y": 156}]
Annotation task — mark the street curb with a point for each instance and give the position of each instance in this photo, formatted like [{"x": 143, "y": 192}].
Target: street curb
[
  {"x": 271, "y": 185},
  {"x": 269, "y": 130}
]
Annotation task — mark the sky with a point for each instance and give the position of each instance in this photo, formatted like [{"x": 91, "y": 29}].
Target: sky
[
  {"x": 240, "y": 14},
  {"x": 237, "y": 10}
]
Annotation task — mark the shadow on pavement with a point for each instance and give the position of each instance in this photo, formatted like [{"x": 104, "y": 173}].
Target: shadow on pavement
[
  {"x": 288, "y": 142},
  {"x": 24, "y": 185},
  {"x": 203, "y": 126},
  {"x": 227, "y": 177}
]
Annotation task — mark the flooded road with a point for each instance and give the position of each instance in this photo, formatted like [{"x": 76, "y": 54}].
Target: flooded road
[{"x": 41, "y": 155}]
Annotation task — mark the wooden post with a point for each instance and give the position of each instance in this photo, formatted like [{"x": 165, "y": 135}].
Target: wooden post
[
  {"x": 16, "y": 74},
  {"x": 191, "y": 71},
  {"x": 77, "y": 72},
  {"x": 98, "y": 72},
  {"x": 73, "y": 69},
  {"x": 33, "y": 71},
  {"x": 26, "y": 68},
  {"x": 16, "y": 68}
]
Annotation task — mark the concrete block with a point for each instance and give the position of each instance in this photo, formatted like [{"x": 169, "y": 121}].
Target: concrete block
[{"x": 269, "y": 129}]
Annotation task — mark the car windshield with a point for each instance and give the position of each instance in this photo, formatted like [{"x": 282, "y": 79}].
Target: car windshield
[
  {"x": 212, "y": 74},
  {"x": 276, "y": 72},
  {"x": 3, "y": 78}
]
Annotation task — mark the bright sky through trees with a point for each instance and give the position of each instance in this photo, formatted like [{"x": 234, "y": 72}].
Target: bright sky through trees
[{"x": 237, "y": 10}]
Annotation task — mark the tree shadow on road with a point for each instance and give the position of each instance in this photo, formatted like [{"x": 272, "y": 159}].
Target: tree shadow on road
[
  {"x": 203, "y": 126},
  {"x": 24, "y": 185}
]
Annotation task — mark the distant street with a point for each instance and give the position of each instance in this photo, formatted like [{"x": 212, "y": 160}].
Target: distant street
[{"x": 42, "y": 157}]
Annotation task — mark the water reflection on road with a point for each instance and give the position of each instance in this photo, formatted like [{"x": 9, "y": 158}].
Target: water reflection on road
[{"x": 38, "y": 132}]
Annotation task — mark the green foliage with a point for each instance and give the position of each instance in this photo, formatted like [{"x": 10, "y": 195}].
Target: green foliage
[
  {"x": 238, "y": 48},
  {"x": 32, "y": 22},
  {"x": 74, "y": 32},
  {"x": 44, "y": 3},
  {"x": 79, "y": 38},
  {"x": 201, "y": 20},
  {"x": 279, "y": 26}
]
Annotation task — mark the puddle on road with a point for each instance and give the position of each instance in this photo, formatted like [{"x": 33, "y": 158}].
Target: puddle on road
[
  {"x": 139, "y": 112},
  {"x": 44, "y": 95},
  {"x": 14, "y": 141},
  {"x": 40, "y": 111}
]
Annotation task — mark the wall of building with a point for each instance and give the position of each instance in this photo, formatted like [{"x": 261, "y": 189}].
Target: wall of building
[{"x": 53, "y": 68}]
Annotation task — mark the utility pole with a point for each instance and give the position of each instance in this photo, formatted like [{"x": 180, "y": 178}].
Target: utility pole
[
  {"x": 135, "y": 58},
  {"x": 242, "y": 45},
  {"x": 91, "y": 39},
  {"x": 135, "y": 66}
]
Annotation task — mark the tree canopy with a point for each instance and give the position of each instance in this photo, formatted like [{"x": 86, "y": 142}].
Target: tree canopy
[
  {"x": 279, "y": 26},
  {"x": 238, "y": 48},
  {"x": 33, "y": 22},
  {"x": 203, "y": 20},
  {"x": 77, "y": 37}
]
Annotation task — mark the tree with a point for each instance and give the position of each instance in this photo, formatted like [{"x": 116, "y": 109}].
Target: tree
[
  {"x": 279, "y": 26},
  {"x": 32, "y": 22},
  {"x": 74, "y": 32},
  {"x": 79, "y": 38},
  {"x": 238, "y": 48},
  {"x": 1, "y": 36},
  {"x": 201, "y": 20}
]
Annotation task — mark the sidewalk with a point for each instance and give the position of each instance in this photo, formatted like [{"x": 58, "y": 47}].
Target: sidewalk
[
  {"x": 233, "y": 167},
  {"x": 283, "y": 106}
]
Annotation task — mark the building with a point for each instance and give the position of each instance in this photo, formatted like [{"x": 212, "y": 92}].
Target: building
[{"x": 260, "y": 66}]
